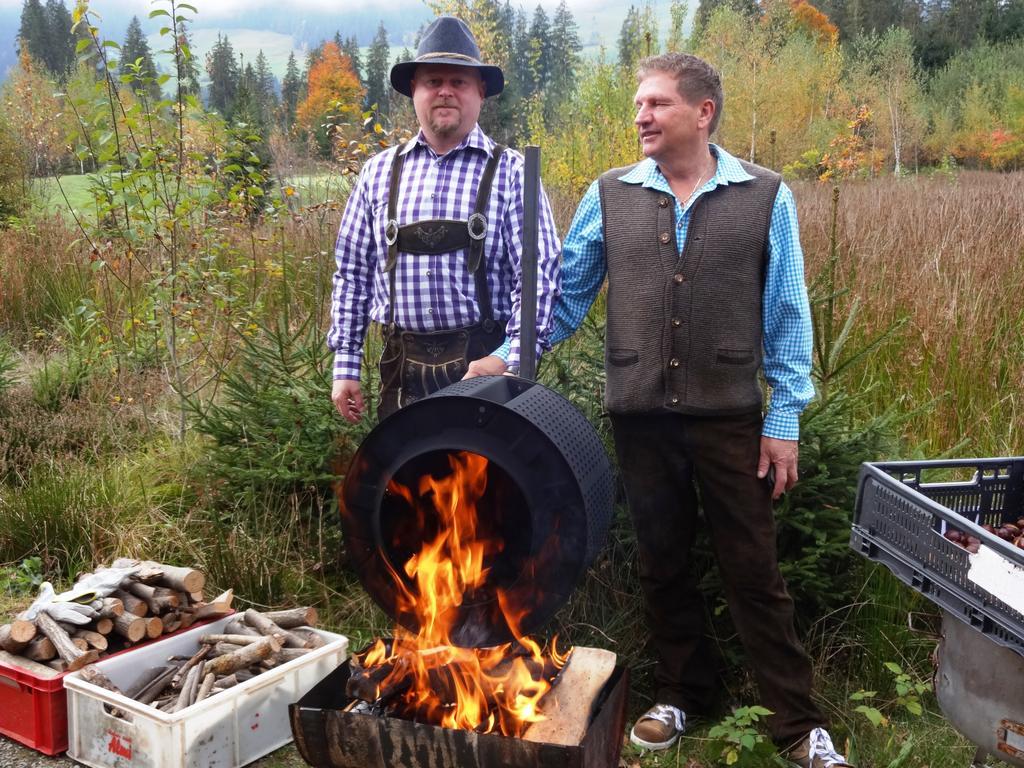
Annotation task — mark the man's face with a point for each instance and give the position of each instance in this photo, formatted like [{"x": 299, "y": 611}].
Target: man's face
[
  {"x": 667, "y": 122},
  {"x": 447, "y": 99}
]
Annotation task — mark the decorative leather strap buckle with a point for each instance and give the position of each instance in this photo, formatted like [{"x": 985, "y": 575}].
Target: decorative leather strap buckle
[
  {"x": 391, "y": 232},
  {"x": 476, "y": 225}
]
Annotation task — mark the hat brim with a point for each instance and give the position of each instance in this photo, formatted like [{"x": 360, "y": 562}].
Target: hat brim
[{"x": 401, "y": 75}]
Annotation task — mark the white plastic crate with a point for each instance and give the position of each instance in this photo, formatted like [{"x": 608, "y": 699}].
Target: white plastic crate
[{"x": 229, "y": 729}]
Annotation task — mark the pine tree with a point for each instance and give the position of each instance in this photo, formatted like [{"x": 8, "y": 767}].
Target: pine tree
[
  {"x": 565, "y": 62},
  {"x": 265, "y": 87},
  {"x": 520, "y": 65},
  {"x": 630, "y": 40},
  {"x": 539, "y": 51},
  {"x": 185, "y": 63},
  {"x": 223, "y": 71},
  {"x": 350, "y": 48},
  {"x": 33, "y": 33},
  {"x": 59, "y": 38},
  {"x": 676, "y": 42},
  {"x": 378, "y": 84},
  {"x": 136, "y": 49},
  {"x": 291, "y": 89}
]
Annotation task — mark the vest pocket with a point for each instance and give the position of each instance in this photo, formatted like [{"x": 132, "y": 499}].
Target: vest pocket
[
  {"x": 734, "y": 356},
  {"x": 623, "y": 357}
]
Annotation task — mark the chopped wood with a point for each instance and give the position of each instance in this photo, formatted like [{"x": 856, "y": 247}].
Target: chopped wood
[
  {"x": 206, "y": 687},
  {"x": 219, "y": 606},
  {"x": 93, "y": 674},
  {"x": 80, "y": 643},
  {"x": 130, "y": 626},
  {"x": 228, "y": 681},
  {"x": 66, "y": 649},
  {"x": 290, "y": 654},
  {"x": 568, "y": 705},
  {"x": 152, "y": 691},
  {"x": 173, "y": 576},
  {"x": 38, "y": 669},
  {"x": 198, "y": 656},
  {"x": 154, "y": 627},
  {"x": 40, "y": 649},
  {"x": 238, "y": 627},
  {"x": 214, "y": 638},
  {"x": 188, "y": 688},
  {"x": 223, "y": 649},
  {"x": 265, "y": 626},
  {"x": 132, "y": 604},
  {"x": 156, "y": 601},
  {"x": 196, "y": 597},
  {"x": 16, "y": 635},
  {"x": 244, "y": 656},
  {"x": 294, "y": 617},
  {"x": 186, "y": 619},
  {"x": 145, "y": 679},
  {"x": 103, "y": 626},
  {"x": 95, "y": 639},
  {"x": 313, "y": 639},
  {"x": 171, "y": 622},
  {"x": 109, "y": 607},
  {"x": 57, "y": 664}
]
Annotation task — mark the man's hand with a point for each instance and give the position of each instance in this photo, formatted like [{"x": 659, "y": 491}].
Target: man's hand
[
  {"x": 781, "y": 454},
  {"x": 348, "y": 398},
  {"x": 492, "y": 365}
]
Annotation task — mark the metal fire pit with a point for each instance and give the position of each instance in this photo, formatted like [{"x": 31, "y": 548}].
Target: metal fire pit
[
  {"x": 549, "y": 499},
  {"x": 328, "y": 737}
]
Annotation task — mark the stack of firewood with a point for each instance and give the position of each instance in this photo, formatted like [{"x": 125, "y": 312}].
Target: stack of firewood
[
  {"x": 249, "y": 645},
  {"x": 157, "y": 600}
]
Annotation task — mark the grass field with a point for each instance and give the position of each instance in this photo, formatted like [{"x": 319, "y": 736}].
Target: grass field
[{"x": 92, "y": 464}]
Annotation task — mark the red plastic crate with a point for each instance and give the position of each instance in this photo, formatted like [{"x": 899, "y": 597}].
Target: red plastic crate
[{"x": 34, "y": 710}]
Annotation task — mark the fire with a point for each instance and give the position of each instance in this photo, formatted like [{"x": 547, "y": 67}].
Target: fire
[{"x": 426, "y": 676}]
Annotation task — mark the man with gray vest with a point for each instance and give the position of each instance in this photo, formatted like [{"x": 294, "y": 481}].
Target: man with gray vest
[
  {"x": 705, "y": 289},
  {"x": 429, "y": 245}
]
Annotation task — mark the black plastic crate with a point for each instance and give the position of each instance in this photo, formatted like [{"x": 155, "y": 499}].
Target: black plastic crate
[{"x": 904, "y": 508}]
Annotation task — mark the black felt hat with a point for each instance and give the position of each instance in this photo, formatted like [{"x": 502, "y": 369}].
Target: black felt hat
[{"x": 447, "y": 41}]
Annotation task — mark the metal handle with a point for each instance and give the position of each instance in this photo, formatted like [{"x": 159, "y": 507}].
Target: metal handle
[{"x": 528, "y": 266}]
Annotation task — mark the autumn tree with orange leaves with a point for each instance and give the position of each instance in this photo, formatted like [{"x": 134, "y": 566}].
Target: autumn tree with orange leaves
[{"x": 333, "y": 98}]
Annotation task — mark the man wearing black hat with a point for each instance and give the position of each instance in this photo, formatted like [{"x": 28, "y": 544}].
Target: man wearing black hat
[{"x": 430, "y": 242}]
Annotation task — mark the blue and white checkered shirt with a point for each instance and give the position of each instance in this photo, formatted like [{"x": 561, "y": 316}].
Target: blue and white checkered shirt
[
  {"x": 436, "y": 292},
  {"x": 786, "y": 315}
]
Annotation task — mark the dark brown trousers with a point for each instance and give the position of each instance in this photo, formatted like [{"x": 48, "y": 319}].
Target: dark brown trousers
[{"x": 661, "y": 457}]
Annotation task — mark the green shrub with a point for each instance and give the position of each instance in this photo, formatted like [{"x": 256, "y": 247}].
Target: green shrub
[{"x": 8, "y": 365}]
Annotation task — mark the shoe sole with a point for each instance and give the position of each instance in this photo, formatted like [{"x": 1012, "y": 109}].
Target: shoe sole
[{"x": 654, "y": 746}]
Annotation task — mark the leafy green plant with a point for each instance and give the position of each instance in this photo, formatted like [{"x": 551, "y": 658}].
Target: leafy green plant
[
  {"x": 23, "y": 578},
  {"x": 906, "y": 699},
  {"x": 737, "y": 738}
]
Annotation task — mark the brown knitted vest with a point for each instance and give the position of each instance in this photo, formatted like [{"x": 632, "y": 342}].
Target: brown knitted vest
[{"x": 684, "y": 331}]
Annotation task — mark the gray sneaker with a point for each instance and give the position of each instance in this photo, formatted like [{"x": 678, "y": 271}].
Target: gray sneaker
[
  {"x": 816, "y": 751},
  {"x": 659, "y": 727}
]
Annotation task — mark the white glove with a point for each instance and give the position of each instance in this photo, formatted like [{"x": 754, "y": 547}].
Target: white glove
[
  {"x": 73, "y": 606},
  {"x": 72, "y": 613}
]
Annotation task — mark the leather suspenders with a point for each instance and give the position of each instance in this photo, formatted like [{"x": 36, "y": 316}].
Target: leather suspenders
[{"x": 433, "y": 236}]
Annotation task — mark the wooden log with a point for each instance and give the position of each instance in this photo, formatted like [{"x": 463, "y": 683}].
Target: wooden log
[
  {"x": 171, "y": 622},
  {"x": 294, "y": 617},
  {"x": 145, "y": 679},
  {"x": 109, "y": 607},
  {"x": 152, "y": 692},
  {"x": 568, "y": 706},
  {"x": 197, "y": 657},
  {"x": 173, "y": 576},
  {"x": 223, "y": 649},
  {"x": 214, "y": 638},
  {"x": 290, "y": 654},
  {"x": 313, "y": 639},
  {"x": 40, "y": 649},
  {"x": 75, "y": 657},
  {"x": 103, "y": 626},
  {"x": 92, "y": 674},
  {"x": 158, "y": 600},
  {"x": 189, "y": 687},
  {"x": 154, "y": 627},
  {"x": 132, "y": 604},
  {"x": 238, "y": 627},
  {"x": 219, "y": 606},
  {"x": 58, "y": 665},
  {"x": 244, "y": 656},
  {"x": 16, "y": 635},
  {"x": 80, "y": 643},
  {"x": 39, "y": 669},
  {"x": 131, "y": 627},
  {"x": 265, "y": 626},
  {"x": 206, "y": 687},
  {"x": 96, "y": 640}
]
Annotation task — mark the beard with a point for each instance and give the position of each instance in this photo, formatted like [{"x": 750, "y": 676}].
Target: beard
[{"x": 447, "y": 125}]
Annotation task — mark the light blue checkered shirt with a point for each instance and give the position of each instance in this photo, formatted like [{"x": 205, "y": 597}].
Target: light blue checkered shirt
[{"x": 786, "y": 314}]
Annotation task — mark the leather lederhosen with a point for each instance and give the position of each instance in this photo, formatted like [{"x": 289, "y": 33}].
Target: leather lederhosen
[{"x": 413, "y": 365}]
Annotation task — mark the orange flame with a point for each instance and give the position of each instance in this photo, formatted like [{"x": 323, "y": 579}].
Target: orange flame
[{"x": 484, "y": 689}]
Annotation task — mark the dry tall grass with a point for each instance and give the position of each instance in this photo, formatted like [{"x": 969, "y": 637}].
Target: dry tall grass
[{"x": 946, "y": 254}]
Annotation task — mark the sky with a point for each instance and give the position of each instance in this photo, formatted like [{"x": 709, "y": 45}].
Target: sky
[{"x": 279, "y": 28}]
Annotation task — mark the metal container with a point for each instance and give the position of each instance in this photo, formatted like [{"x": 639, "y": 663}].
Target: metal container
[{"x": 980, "y": 688}]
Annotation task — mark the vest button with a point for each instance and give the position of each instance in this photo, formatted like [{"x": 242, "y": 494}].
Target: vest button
[
  {"x": 678, "y": 279},
  {"x": 674, "y": 400},
  {"x": 673, "y": 363},
  {"x": 676, "y": 322},
  {"x": 663, "y": 202},
  {"x": 665, "y": 237}
]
